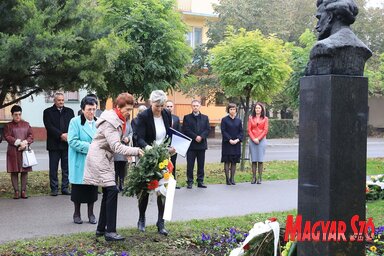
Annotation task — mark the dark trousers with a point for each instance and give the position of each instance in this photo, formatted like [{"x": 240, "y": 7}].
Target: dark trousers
[
  {"x": 108, "y": 210},
  {"x": 173, "y": 160},
  {"x": 120, "y": 173},
  {"x": 54, "y": 157},
  {"x": 143, "y": 203},
  {"x": 192, "y": 155}
]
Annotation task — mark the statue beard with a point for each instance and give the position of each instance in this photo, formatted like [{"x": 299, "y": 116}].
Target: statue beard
[{"x": 326, "y": 32}]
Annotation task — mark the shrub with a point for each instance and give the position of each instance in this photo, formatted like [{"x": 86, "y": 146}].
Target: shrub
[{"x": 282, "y": 128}]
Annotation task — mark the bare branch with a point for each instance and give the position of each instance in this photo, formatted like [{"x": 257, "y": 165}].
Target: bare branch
[{"x": 20, "y": 98}]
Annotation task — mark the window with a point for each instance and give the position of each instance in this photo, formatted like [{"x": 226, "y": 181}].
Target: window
[
  {"x": 68, "y": 96},
  {"x": 71, "y": 96},
  {"x": 195, "y": 37}
]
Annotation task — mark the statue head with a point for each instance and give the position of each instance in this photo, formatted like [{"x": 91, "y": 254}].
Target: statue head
[{"x": 331, "y": 13}]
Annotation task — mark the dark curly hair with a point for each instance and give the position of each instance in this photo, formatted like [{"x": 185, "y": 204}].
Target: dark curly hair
[{"x": 16, "y": 108}]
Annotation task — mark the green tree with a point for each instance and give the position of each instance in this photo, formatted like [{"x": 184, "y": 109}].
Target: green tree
[
  {"x": 369, "y": 26},
  {"x": 158, "y": 52},
  {"x": 199, "y": 79},
  {"x": 50, "y": 45},
  {"x": 251, "y": 67},
  {"x": 289, "y": 96},
  {"x": 374, "y": 70},
  {"x": 286, "y": 19}
]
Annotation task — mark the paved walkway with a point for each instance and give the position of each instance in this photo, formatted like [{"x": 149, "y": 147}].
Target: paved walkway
[{"x": 47, "y": 216}]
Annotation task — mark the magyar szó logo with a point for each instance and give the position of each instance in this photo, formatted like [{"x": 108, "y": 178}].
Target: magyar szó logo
[{"x": 330, "y": 230}]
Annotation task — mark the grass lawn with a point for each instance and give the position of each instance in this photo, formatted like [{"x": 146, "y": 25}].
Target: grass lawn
[
  {"x": 185, "y": 238},
  {"x": 38, "y": 181}
]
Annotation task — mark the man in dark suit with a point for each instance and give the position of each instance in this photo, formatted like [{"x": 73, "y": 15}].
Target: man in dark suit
[
  {"x": 175, "y": 125},
  {"x": 56, "y": 121},
  {"x": 196, "y": 126}
]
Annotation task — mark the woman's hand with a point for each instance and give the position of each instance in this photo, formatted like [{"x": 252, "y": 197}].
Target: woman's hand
[
  {"x": 140, "y": 153},
  {"x": 126, "y": 140},
  {"x": 171, "y": 151},
  {"x": 256, "y": 140}
]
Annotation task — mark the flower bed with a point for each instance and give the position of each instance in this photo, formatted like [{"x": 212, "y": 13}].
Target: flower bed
[{"x": 376, "y": 247}]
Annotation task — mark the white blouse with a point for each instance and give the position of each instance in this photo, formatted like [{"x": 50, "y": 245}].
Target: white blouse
[{"x": 160, "y": 129}]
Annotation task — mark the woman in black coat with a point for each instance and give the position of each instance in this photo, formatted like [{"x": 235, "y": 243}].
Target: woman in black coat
[
  {"x": 152, "y": 127},
  {"x": 232, "y": 132}
]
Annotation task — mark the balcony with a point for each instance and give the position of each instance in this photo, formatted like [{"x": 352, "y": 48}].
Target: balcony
[{"x": 184, "y": 5}]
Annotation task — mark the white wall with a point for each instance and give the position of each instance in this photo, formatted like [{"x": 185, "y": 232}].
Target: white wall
[
  {"x": 33, "y": 109},
  {"x": 203, "y": 6},
  {"x": 376, "y": 114}
]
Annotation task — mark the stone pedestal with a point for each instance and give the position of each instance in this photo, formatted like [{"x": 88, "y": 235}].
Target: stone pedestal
[{"x": 332, "y": 156}]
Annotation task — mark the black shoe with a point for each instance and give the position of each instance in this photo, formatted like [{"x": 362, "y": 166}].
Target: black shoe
[
  {"x": 189, "y": 186},
  {"x": 113, "y": 236},
  {"x": 161, "y": 229},
  {"x": 228, "y": 182},
  {"x": 233, "y": 182},
  {"x": 77, "y": 220},
  {"x": 177, "y": 187},
  {"x": 92, "y": 219},
  {"x": 99, "y": 233},
  {"x": 54, "y": 193},
  {"x": 65, "y": 192},
  {"x": 253, "y": 180},
  {"x": 201, "y": 185},
  {"x": 141, "y": 225}
]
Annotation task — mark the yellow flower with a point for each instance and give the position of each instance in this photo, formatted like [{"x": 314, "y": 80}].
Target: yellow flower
[
  {"x": 161, "y": 166},
  {"x": 165, "y": 162},
  {"x": 373, "y": 248},
  {"x": 166, "y": 175}
]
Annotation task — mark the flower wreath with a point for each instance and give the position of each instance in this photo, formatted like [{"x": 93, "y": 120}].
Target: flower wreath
[{"x": 151, "y": 173}]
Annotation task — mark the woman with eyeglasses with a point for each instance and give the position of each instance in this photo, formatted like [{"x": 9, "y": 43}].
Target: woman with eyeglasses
[
  {"x": 80, "y": 134},
  {"x": 18, "y": 134}
]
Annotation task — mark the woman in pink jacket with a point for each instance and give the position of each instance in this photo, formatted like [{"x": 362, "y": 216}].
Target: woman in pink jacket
[
  {"x": 99, "y": 165},
  {"x": 257, "y": 131}
]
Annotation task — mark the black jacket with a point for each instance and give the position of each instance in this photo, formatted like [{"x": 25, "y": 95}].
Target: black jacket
[
  {"x": 56, "y": 124},
  {"x": 194, "y": 126},
  {"x": 144, "y": 127},
  {"x": 176, "y": 123}
]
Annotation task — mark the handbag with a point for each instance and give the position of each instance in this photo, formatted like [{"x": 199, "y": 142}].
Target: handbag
[{"x": 29, "y": 158}]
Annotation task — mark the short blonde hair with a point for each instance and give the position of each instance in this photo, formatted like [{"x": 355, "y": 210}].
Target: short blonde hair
[{"x": 158, "y": 96}]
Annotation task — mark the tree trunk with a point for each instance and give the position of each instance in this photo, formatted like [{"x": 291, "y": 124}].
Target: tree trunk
[
  {"x": 245, "y": 129},
  {"x": 103, "y": 103}
]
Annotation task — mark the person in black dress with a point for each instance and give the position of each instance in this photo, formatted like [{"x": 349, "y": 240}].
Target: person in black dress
[{"x": 232, "y": 132}]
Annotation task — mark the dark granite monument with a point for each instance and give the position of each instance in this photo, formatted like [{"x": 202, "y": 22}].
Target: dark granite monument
[{"x": 333, "y": 129}]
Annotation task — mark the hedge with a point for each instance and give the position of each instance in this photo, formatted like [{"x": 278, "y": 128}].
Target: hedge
[{"x": 282, "y": 128}]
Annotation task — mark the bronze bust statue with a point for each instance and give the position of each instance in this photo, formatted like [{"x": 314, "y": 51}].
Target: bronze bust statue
[{"x": 338, "y": 50}]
